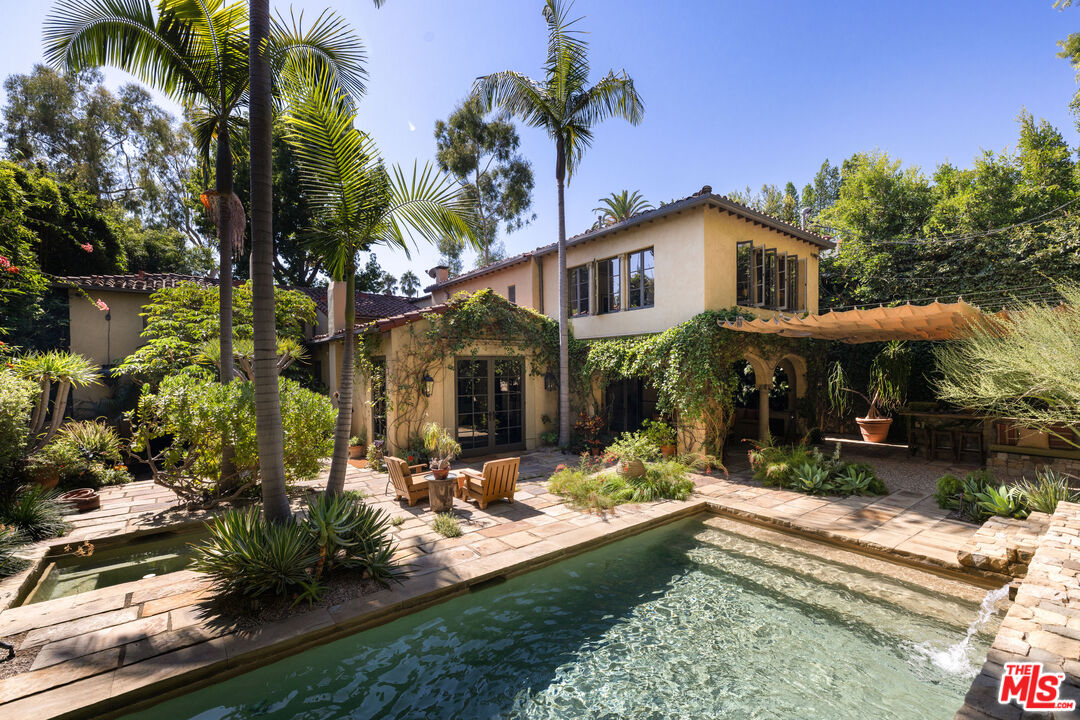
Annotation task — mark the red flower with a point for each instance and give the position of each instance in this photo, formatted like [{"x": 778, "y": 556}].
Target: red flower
[
  {"x": 14, "y": 270},
  {"x": 4, "y": 262},
  {"x": 101, "y": 305},
  {"x": 559, "y": 467},
  {"x": 87, "y": 247}
]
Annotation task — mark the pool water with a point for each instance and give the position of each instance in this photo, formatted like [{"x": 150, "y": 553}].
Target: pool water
[
  {"x": 694, "y": 620},
  {"x": 71, "y": 574}
]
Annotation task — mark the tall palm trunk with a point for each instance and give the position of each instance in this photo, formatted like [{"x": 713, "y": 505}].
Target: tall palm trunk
[
  {"x": 339, "y": 463},
  {"x": 268, "y": 430},
  {"x": 564, "y": 321},
  {"x": 223, "y": 184}
]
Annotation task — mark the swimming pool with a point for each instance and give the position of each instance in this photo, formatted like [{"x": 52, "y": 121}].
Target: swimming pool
[{"x": 698, "y": 619}]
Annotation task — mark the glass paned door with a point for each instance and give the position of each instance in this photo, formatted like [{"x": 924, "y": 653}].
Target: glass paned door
[{"x": 490, "y": 404}]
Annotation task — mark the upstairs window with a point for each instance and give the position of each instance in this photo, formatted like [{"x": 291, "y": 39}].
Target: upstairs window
[
  {"x": 793, "y": 286},
  {"x": 511, "y": 294},
  {"x": 608, "y": 286},
  {"x": 770, "y": 278},
  {"x": 759, "y": 277},
  {"x": 744, "y": 259},
  {"x": 781, "y": 281},
  {"x": 642, "y": 283},
  {"x": 578, "y": 282}
]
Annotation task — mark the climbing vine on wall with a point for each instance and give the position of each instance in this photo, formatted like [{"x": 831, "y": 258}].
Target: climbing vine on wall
[
  {"x": 691, "y": 368},
  {"x": 482, "y": 317}
]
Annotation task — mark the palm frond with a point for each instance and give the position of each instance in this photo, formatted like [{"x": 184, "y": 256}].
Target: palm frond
[
  {"x": 613, "y": 96},
  {"x": 519, "y": 95},
  {"x": 567, "y": 65},
  {"x": 123, "y": 34},
  {"x": 329, "y": 44},
  {"x": 429, "y": 206}
]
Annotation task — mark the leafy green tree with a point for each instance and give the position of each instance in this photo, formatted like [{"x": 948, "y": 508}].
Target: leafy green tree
[
  {"x": 409, "y": 283},
  {"x": 823, "y": 191},
  {"x": 360, "y": 204},
  {"x": 450, "y": 252},
  {"x": 181, "y": 320},
  {"x": 372, "y": 278},
  {"x": 564, "y": 105},
  {"x": 620, "y": 206},
  {"x": 482, "y": 154}
]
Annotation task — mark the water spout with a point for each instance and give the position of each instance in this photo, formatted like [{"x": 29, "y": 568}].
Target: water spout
[{"x": 954, "y": 659}]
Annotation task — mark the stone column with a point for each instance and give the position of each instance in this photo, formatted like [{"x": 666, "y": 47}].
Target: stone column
[{"x": 763, "y": 411}]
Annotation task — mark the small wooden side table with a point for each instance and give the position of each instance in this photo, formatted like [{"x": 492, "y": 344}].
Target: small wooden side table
[{"x": 441, "y": 492}]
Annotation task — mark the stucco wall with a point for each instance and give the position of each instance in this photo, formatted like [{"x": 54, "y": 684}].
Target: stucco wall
[
  {"x": 678, "y": 254},
  {"x": 723, "y": 232},
  {"x": 104, "y": 337},
  {"x": 524, "y": 276}
]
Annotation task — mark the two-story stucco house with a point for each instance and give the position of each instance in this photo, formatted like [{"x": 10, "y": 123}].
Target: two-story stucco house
[{"x": 642, "y": 275}]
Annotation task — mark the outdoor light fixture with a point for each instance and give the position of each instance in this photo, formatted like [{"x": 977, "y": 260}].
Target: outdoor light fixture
[
  {"x": 550, "y": 382},
  {"x": 429, "y": 385}
]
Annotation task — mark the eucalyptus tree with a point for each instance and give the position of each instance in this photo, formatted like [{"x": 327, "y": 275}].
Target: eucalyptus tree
[
  {"x": 359, "y": 203},
  {"x": 619, "y": 206},
  {"x": 197, "y": 52},
  {"x": 563, "y": 104}
]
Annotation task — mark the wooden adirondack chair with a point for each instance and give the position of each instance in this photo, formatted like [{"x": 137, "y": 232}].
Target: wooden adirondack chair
[
  {"x": 498, "y": 480},
  {"x": 405, "y": 486}
]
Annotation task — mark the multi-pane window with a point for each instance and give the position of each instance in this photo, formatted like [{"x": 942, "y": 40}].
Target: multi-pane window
[
  {"x": 770, "y": 278},
  {"x": 608, "y": 286},
  {"x": 793, "y": 283},
  {"x": 511, "y": 294},
  {"x": 642, "y": 282},
  {"x": 744, "y": 258},
  {"x": 781, "y": 281},
  {"x": 578, "y": 281},
  {"x": 759, "y": 277}
]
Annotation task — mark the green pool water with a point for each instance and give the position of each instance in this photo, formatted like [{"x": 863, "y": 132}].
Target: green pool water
[
  {"x": 71, "y": 574},
  {"x": 686, "y": 621}
]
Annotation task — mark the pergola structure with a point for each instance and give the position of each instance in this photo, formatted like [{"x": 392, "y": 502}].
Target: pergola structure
[{"x": 936, "y": 321}]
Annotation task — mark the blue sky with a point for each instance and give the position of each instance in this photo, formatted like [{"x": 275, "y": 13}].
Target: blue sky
[{"x": 736, "y": 93}]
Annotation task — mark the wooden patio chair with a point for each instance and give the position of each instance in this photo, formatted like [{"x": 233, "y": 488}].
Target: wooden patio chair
[
  {"x": 405, "y": 486},
  {"x": 498, "y": 480}
]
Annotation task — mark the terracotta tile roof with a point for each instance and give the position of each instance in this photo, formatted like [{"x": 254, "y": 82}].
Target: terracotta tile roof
[
  {"x": 138, "y": 282},
  {"x": 386, "y": 323},
  {"x": 704, "y": 197},
  {"x": 369, "y": 306}
]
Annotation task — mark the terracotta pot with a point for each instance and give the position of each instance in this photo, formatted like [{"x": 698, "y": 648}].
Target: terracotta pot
[
  {"x": 632, "y": 468},
  {"x": 357, "y": 452},
  {"x": 874, "y": 430},
  {"x": 441, "y": 474},
  {"x": 84, "y": 499},
  {"x": 668, "y": 450}
]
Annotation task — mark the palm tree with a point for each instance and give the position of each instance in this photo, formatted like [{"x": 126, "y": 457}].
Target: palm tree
[
  {"x": 359, "y": 204},
  {"x": 196, "y": 51},
  {"x": 409, "y": 283},
  {"x": 563, "y": 105},
  {"x": 620, "y": 206}
]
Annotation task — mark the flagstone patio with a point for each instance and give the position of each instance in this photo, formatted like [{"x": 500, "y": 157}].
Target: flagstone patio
[{"x": 113, "y": 647}]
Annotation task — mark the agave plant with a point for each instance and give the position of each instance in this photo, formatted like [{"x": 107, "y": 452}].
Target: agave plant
[
  {"x": 811, "y": 479},
  {"x": 853, "y": 481},
  {"x": 1004, "y": 501},
  {"x": 64, "y": 371},
  {"x": 246, "y": 555}
]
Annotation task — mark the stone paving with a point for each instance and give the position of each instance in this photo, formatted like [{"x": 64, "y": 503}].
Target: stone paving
[{"x": 117, "y": 648}]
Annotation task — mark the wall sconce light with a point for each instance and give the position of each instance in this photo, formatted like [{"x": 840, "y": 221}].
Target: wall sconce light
[
  {"x": 550, "y": 381},
  {"x": 429, "y": 385}
]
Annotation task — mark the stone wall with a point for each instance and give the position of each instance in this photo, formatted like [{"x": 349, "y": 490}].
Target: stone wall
[
  {"x": 1014, "y": 466},
  {"x": 1043, "y": 623}
]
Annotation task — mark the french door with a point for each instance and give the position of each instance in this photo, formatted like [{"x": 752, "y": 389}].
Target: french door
[{"x": 490, "y": 404}]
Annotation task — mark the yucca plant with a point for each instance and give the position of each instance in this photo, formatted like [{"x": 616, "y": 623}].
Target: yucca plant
[
  {"x": 373, "y": 548},
  {"x": 57, "y": 371},
  {"x": 1047, "y": 490},
  {"x": 333, "y": 522},
  {"x": 358, "y": 204},
  {"x": 248, "y": 556}
]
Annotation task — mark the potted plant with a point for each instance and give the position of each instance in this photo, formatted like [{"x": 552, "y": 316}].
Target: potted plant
[
  {"x": 885, "y": 391},
  {"x": 42, "y": 470},
  {"x": 662, "y": 435},
  {"x": 443, "y": 448},
  {"x": 357, "y": 451},
  {"x": 632, "y": 451}
]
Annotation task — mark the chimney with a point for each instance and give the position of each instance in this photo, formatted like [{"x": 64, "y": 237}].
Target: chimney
[
  {"x": 441, "y": 273},
  {"x": 335, "y": 306}
]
